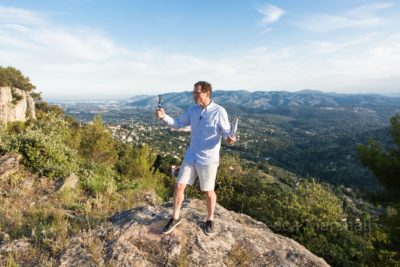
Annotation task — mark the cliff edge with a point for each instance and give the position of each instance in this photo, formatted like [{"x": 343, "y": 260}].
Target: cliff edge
[
  {"x": 133, "y": 238},
  {"x": 13, "y": 109}
]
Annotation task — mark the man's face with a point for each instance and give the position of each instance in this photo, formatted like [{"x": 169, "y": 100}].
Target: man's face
[{"x": 201, "y": 98}]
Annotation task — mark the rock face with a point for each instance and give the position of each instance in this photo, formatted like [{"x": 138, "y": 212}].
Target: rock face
[
  {"x": 19, "y": 111},
  {"x": 133, "y": 238}
]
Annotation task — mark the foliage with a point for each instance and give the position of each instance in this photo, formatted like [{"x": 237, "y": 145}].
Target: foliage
[
  {"x": 37, "y": 97},
  {"x": 16, "y": 97},
  {"x": 113, "y": 175},
  {"x": 97, "y": 143},
  {"x": 125, "y": 154},
  {"x": 43, "y": 149},
  {"x": 43, "y": 108},
  {"x": 73, "y": 139},
  {"x": 13, "y": 78},
  {"x": 99, "y": 178},
  {"x": 306, "y": 211},
  {"x": 385, "y": 164}
]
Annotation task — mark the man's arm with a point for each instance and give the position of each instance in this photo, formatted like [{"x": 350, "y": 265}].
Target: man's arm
[
  {"x": 176, "y": 123},
  {"x": 225, "y": 127}
]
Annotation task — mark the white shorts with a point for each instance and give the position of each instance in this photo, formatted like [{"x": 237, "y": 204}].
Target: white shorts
[{"x": 206, "y": 173}]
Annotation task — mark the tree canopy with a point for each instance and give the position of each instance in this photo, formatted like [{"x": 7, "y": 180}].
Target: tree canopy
[
  {"x": 14, "y": 78},
  {"x": 384, "y": 163}
]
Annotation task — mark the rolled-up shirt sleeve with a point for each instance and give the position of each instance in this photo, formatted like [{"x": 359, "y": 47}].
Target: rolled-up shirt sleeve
[
  {"x": 177, "y": 123},
  {"x": 223, "y": 124}
]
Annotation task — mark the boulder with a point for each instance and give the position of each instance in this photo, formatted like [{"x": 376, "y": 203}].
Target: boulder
[
  {"x": 70, "y": 183},
  {"x": 9, "y": 164},
  {"x": 133, "y": 238}
]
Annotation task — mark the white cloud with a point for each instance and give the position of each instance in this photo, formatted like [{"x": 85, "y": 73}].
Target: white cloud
[
  {"x": 361, "y": 17},
  {"x": 270, "y": 13},
  {"x": 14, "y": 27},
  {"x": 374, "y": 68},
  {"x": 20, "y": 16},
  {"x": 265, "y": 31},
  {"x": 325, "y": 47},
  {"x": 82, "y": 61},
  {"x": 368, "y": 9}
]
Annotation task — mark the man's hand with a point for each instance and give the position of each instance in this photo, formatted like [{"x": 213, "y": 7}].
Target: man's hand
[
  {"x": 160, "y": 114},
  {"x": 230, "y": 140}
]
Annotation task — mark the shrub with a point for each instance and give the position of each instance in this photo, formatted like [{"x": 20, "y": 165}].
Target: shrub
[
  {"x": 97, "y": 143},
  {"x": 42, "y": 147},
  {"x": 99, "y": 178}
]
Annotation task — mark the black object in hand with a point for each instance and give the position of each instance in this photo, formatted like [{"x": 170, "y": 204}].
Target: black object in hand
[{"x": 160, "y": 101}]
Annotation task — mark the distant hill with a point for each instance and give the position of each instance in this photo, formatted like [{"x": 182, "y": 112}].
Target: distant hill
[
  {"x": 261, "y": 101},
  {"x": 309, "y": 132}
]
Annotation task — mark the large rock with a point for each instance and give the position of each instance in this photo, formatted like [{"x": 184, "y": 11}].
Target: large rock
[
  {"x": 19, "y": 111},
  {"x": 9, "y": 164},
  {"x": 133, "y": 238},
  {"x": 70, "y": 183}
]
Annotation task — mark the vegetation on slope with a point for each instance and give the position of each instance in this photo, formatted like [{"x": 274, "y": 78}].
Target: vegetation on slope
[{"x": 115, "y": 176}]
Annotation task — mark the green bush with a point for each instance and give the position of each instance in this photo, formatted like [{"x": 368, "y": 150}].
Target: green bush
[
  {"x": 138, "y": 168},
  {"x": 305, "y": 211},
  {"x": 97, "y": 143},
  {"x": 99, "y": 178},
  {"x": 43, "y": 108},
  {"x": 42, "y": 147}
]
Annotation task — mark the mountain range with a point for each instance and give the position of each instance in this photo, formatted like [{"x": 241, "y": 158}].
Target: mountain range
[{"x": 261, "y": 100}]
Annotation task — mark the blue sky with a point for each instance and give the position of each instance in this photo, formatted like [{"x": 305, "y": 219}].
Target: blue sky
[{"x": 88, "y": 48}]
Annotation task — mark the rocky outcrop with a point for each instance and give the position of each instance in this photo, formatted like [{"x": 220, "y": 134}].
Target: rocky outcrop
[
  {"x": 9, "y": 164},
  {"x": 12, "y": 109},
  {"x": 133, "y": 238}
]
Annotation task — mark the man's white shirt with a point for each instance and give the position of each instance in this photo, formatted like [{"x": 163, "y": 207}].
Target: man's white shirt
[{"x": 208, "y": 125}]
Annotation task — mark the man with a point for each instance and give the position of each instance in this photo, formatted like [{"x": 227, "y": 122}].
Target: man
[{"x": 209, "y": 122}]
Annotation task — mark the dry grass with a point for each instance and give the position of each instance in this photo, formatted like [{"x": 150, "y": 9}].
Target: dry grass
[
  {"x": 238, "y": 256},
  {"x": 157, "y": 252},
  {"x": 32, "y": 208},
  {"x": 94, "y": 247},
  {"x": 29, "y": 257},
  {"x": 11, "y": 261}
]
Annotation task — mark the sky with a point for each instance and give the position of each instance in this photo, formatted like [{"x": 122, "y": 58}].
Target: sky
[{"x": 91, "y": 49}]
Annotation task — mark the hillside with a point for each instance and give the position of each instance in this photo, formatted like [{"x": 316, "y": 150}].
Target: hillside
[
  {"x": 309, "y": 132},
  {"x": 46, "y": 219},
  {"x": 71, "y": 192},
  {"x": 62, "y": 182},
  {"x": 262, "y": 101}
]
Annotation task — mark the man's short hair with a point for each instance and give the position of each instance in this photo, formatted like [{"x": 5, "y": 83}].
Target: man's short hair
[{"x": 205, "y": 86}]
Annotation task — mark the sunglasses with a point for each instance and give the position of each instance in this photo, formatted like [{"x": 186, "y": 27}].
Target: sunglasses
[{"x": 197, "y": 92}]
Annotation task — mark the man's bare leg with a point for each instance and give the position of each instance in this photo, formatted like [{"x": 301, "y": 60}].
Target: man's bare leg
[
  {"x": 211, "y": 200},
  {"x": 179, "y": 195}
]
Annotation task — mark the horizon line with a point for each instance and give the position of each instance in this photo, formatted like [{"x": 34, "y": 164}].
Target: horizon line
[{"x": 113, "y": 97}]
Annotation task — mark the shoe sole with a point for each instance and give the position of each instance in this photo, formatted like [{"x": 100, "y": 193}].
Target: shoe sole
[
  {"x": 170, "y": 230},
  {"x": 209, "y": 234}
]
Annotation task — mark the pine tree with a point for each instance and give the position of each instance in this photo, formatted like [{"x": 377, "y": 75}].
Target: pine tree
[
  {"x": 384, "y": 163},
  {"x": 97, "y": 143}
]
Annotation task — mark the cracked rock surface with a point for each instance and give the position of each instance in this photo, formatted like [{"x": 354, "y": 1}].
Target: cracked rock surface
[{"x": 133, "y": 238}]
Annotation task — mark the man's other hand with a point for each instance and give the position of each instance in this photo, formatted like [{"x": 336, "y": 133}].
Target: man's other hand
[
  {"x": 160, "y": 114},
  {"x": 230, "y": 140}
]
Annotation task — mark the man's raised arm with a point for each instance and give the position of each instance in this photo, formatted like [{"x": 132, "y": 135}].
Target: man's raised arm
[{"x": 176, "y": 123}]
